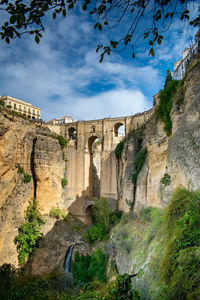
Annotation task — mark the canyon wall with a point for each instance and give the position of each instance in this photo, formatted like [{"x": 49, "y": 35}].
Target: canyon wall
[
  {"x": 177, "y": 155},
  {"x": 25, "y": 149}
]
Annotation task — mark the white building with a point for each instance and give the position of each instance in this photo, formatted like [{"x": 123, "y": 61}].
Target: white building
[
  {"x": 22, "y": 107},
  {"x": 181, "y": 65},
  {"x": 63, "y": 120}
]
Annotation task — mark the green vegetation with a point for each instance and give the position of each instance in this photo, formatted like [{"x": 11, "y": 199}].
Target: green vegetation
[
  {"x": 62, "y": 141},
  {"x": 29, "y": 232},
  {"x": 51, "y": 286},
  {"x": 166, "y": 179},
  {"x": 165, "y": 104},
  {"x": 165, "y": 241},
  {"x": 27, "y": 178},
  {"x": 96, "y": 233},
  {"x": 58, "y": 286},
  {"x": 181, "y": 262},
  {"x": 2, "y": 103},
  {"x": 168, "y": 78},
  {"x": 88, "y": 268},
  {"x": 138, "y": 164},
  {"x": 113, "y": 290},
  {"x": 58, "y": 213},
  {"x": 119, "y": 148},
  {"x": 20, "y": 170},
  {"x": 63, "y": 182},
  {"x": 103, "y": 220}
]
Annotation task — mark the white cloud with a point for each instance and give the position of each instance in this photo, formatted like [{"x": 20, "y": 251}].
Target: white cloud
[{"x": 63, "y": 74}]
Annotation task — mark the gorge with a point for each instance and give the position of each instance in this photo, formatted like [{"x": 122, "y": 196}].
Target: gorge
[{"x": 33, "y": 164}]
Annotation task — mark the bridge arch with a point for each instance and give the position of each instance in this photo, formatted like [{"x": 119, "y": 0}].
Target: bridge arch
[
  {"x": 89, "y": 144},
  {"x": 93, "y": 152},
  {"x": 119, "y": 129},
  {"x": 72, "y": 133}
]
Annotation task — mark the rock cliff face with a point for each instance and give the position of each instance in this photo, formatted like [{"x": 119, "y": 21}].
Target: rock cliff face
[
  {"x": 177, "y": 155},
  {"x": 25, "y": 145},
  {"x": 32, "y": 150}
]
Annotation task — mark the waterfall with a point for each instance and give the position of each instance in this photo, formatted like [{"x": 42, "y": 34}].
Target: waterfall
[{"x": 68, "y": 258}]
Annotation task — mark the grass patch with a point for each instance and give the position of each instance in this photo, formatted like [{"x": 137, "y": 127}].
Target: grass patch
[{"x": 57, "y": 213}]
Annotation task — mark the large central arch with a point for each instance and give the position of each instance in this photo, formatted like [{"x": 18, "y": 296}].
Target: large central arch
[{"x": 94, "y": 147}]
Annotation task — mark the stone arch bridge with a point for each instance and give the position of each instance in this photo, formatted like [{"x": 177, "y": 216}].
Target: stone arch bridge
[{"x": 91, "y": 161}]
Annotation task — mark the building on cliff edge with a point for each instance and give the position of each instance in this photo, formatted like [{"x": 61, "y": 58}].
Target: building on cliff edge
[
  {"x": 181, "y": 65},
  {"x": 25, "y": 108}
]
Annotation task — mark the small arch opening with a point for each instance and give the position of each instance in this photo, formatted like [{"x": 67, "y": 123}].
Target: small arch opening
[
  {"x": 119, "y": 129},
  {"x": 72, "y": 133},
  {"x": 90, "y": 218}
]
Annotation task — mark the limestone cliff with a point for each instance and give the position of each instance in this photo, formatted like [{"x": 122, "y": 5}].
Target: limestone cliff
[
  {"x": 177, "y": 155},
  {"x": 25, "y": 148}
]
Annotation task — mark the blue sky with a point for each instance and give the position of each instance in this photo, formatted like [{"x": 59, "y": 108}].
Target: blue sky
[{"x": 62, "y": 75}]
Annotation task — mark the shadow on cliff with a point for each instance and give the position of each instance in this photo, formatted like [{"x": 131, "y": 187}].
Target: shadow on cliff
[{"x": 51, "y": 253}]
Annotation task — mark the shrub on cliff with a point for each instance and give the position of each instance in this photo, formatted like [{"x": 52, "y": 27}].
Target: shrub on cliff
[
  {"x": 165, "y": 104},
  {"x": 119, "y": 148},
  {"x": 181, "y": 263},
  {"x": 138, "y": 164},
  {"x": 62, "y": 141},
  {"x": 29, "y": 232},
  {"x": 27, "y": 178},
  {"x": 57, "y": 213},
  {"x": 63, "y": 182}
]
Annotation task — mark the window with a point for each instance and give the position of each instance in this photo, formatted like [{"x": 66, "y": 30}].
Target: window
[
  {"x": 24, "y": 108},
  {"x": 15, "y": 106},
  {"x": 38, "y": 113},
  {"x": 33, "y": 111},
  {"x": 29, "y": 110}
]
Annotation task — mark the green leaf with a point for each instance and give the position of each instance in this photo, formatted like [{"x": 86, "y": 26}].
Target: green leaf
[
  {"x": 37, "y": 39},
  {"x": 100, "y": 26},
  {"x": 151, "y": 52},
  {"x": 12, "y": 19},
  {"x": 95, "y": 26},
  {"x": 167, "y": 15},
  {"x": 64, "y": 12},
  {"x": 54, "y": 15},
  {"x": 159, "y": 41},
  {"x": 84, "y": 6},
  {"x": 7, "y": 40}
]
